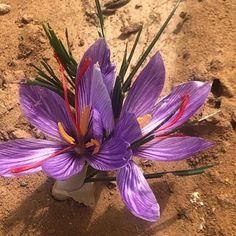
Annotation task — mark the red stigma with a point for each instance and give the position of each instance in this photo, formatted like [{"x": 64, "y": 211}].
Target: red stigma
[
  {"x": 65, "y": 89},
  {"x": 84, "y": 67},
  {"x": 26, "y": 167},
  {"x": 179, "y": 114},
  {"x": 39, "y": 163},
  {"x": 160, "y": 138}
]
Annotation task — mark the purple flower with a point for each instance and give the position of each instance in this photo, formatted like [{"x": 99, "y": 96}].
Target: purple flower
[
  {"x": 146, "y": 128},
  {"x": 78, "y": 139},
  {"x": 143, "y": 119}
]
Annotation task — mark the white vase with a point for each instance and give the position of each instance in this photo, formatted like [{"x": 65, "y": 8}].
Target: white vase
[{"x": 75, "y": 188}]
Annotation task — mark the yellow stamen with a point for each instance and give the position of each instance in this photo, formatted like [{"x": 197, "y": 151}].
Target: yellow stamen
[
  {"x": 144, "y": 120},
  {"x": 94, "y": 142},
  {"x": 64, "y": 135},
  {"x": 84, "y": 120}
]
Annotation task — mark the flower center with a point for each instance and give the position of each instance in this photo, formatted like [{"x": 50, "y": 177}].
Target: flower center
[
  {"x": 93, "y": 143},
  {"x": 64, "y": 135},
  {"x": 84, "y": 123}
]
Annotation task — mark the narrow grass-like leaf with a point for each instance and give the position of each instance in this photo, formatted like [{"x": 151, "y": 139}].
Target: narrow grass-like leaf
[
  {"x": 68, "y": 62},
  {"x": 46, "y": 77},
  {"x": 123, "y": 65},
  {"x": 48, "y": 68},
  {"x": 127, "y": 83},
  {"x": 187, "y": 172},
  {"x": 118, "y": 94},
  {"x": 101, "y": 18},
  {"x": 42, "y": 80},
  {"x": 150, "y": 136},
  {"x": 196, "y": 171},
  {"x": 39, "y": 81},
  {"x": 142, "y": 141},
  {"x": 68, "y": 42},
  {"x": 117, "y": 98},
  {"x": 124, "y": 70}
]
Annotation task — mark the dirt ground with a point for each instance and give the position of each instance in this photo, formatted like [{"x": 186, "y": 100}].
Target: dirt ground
[{"x": 199, "y": 44}]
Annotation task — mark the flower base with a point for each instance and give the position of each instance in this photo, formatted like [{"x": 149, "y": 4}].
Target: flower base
[{"x": 76, "y": 189}]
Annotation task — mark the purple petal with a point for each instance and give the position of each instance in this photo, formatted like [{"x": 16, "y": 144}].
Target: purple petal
[
  {"x": 98, "y": 53},
  {"x": 100, "y": 100},
  {"x": 172, "y": 148},
  {"x": 197, "y": 91},
  {"x": 97, "y": 127},
  {"x": 146, "y": 88},
  {"x": 136, "y": 193},
  {"x": 44, "y": 109},
  {"x": 113, "y": 155},
  {"x": 18, "y": 153},
  {"x": 63, "y": 166},
  {"x": 128, "y": 127}
]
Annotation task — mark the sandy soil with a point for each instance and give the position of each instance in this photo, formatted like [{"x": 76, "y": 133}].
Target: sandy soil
[{"x": 199, "y": 44}]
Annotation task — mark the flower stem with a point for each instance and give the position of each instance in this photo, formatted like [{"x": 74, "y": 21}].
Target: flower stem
[{"x": 186, "y": 172}]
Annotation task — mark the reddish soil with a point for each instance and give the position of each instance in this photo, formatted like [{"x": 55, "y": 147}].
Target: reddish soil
[{"x": 199, "y": 44}]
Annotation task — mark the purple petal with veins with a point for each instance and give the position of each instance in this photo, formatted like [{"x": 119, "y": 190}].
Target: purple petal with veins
[
  {"x": 113, "y": 155},
  {"x": 23, "y": 152},
  {"x": 146, "y": 88},
  {"x": 197, "y": 92},
  {"x": 136, "y": 193},
  {"x": 172, "y": 148},
  {"x": 98, "y": 53},
  {"x": 44, "y": 109},
  {"x": 63, "y": 166}
]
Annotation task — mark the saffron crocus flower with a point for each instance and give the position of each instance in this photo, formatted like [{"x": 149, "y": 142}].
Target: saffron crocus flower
[
  {"x": 77, "y": 139},
  {"x": 145, "y": 121}
]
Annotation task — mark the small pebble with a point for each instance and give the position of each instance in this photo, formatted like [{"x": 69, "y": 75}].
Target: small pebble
[
  {"x": 18, "y": 133},
  {"x": 111, "y": 185},
  {"x": 12, "y": 63},
  {"x": 81, "y": 43},
  {"x": 42, "y": 40},
  {"x": 23, "y": 184},
  {"x": 146, "y": 163},
  {"x": 4, "y": 8},
  {"x": 183, "y": 14},
  {"x": 137, "y": 6},
  {"x": 26, "y": 19},
  {"x": 186, "y": 55},
  {"x": 2, "y": 81}
]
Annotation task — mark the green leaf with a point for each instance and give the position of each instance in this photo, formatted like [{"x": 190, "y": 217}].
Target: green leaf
[
  {"x": 41, "y": 82},
  {"x": 101, "y": 19},
  {"x": 149, "y": 136},
  {"x": 117, "y": 98},
  {"x": 196, "y": 171},
  {"x": 68, "y": 42},
  {"x": 123, "y": 65},
  {"x": 127, "y": 83},
  {"x": 124, "y": 70},
  {"x": 118, "y": 94},
  {"x": 68, "y": 62},
  {"x": 142, "y": 141},
  {"x": 187, "y": 172},
  {"x": 46, "y": 77}
]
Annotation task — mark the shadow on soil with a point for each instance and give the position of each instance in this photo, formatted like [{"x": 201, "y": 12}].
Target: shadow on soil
[{"x": 40, "y": 214}]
